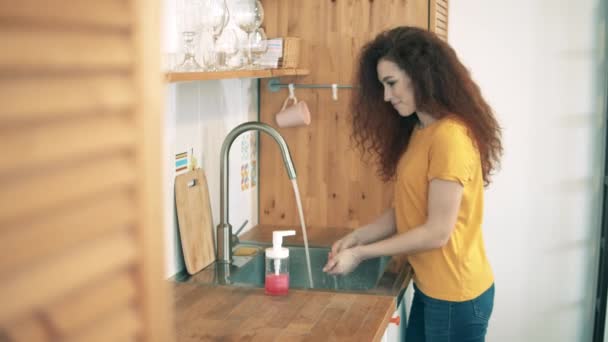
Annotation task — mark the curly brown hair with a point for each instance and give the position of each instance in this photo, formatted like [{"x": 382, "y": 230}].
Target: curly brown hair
[{"x": 442, "y": 86}]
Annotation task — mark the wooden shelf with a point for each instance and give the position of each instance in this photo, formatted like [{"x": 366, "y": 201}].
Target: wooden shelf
[{"x": 219, "y": 75}]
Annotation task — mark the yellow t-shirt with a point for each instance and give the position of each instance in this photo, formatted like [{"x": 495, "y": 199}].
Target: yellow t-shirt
[{"x": 459, "y": 270}]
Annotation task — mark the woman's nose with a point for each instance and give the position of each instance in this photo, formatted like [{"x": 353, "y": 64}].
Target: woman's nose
[{"x": 387, "y": 94}]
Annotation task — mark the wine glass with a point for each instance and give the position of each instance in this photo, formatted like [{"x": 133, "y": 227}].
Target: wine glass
[
  {"x": 258, "y": 45},
  {"x": 249, "y": 16},
  {"x": 226, "y": 46},
  {"x": 260, "y": 13},
  {"x": 206, "y": 50},
  {"x": 188, "y": 24},
  {"x": 214, "y": 18}
]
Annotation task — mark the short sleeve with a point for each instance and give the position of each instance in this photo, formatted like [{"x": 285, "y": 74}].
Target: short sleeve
[{"x": 452, "y": 155}]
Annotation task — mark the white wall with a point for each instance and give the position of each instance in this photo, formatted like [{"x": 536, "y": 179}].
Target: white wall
[
  {"x": 198, "y": 116},
  {"x": 536, "y": 63}
]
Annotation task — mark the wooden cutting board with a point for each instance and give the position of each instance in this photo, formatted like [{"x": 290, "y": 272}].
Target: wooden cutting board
[{"x": 194, "y": 219}]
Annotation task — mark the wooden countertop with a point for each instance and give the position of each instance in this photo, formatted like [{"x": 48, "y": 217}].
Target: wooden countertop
[
  {"x": 222, "y": 313},
  {"x": 225, "y": 313}
]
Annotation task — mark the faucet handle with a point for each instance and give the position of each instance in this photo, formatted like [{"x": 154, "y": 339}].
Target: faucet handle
[
  {"x": 241, "y": 227},
  {"x": 235, "y": 236}
]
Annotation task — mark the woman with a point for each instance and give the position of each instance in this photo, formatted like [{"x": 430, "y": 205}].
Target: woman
[{"x": 419, "y": 113}]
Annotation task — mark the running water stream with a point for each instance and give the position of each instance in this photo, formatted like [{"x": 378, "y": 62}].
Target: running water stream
[{"x": 296, "y": 191}]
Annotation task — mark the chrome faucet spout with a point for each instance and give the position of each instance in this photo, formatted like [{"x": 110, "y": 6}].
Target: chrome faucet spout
[{"x": 224, "y": 229}]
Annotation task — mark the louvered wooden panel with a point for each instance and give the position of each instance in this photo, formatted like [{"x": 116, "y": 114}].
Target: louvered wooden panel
[
  {"x": 439, "y": 18},
  {"x": 439, "y": 25},
  {"x": 70, "y": 316},
  {"x": 69, "y": 95},
  {"x": 154, "y": 293},
  {"x": 107, "y": 14},
  {"x": 120, "y": 325},
  {"x": 53, "y": 143},
  {"x": 443, "y": 17},
  {"x": 441, "y": 11},
  {"x": 80, "y": 206},
  {"x": 50, "y": 279},
  {"x": 44, "y": 192},
  {"x": 65, "y": 228},
  {"x": 27, "y": 329},
  {"x": 337, "y": 189},
  {"x": 442, "y": 33},
  {"x": 47, "y": 50}
]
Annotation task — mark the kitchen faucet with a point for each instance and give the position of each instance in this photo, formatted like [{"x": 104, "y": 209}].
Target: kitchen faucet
[{"x": 224, "y": 229}]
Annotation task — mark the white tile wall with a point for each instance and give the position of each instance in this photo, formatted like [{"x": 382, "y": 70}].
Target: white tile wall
[{"x": 198, "y": 116}]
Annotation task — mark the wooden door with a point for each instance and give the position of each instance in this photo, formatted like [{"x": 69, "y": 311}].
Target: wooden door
[
  {"x": 338, "y": 189},
  {"x": 80, "y": 201}
]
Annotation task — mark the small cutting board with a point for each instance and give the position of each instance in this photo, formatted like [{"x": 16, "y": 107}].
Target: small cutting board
[{"x": 194, "y": 219}]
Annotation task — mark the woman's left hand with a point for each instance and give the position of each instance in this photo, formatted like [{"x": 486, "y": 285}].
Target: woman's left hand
[{"x": 344, "y": 262}]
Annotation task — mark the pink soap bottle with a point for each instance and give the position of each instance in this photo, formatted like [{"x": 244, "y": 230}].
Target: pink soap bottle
[{"x": 277, "y": 265}]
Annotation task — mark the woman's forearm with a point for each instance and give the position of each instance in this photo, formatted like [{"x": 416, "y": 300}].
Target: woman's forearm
[
  {"x": 443, "y": 207},
  {"x": 418, "y": 239},
  {"x": 383, "y": 227}
]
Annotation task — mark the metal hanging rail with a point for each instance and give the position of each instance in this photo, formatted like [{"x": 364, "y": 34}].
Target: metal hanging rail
[{"x": 275, "y": 85}]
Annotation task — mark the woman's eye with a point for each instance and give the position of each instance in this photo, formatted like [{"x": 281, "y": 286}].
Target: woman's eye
[{"x": 391, "y": 84}]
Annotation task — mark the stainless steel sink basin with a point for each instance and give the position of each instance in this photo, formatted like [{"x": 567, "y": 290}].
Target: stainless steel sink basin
[{"x": 364, "y": 277}]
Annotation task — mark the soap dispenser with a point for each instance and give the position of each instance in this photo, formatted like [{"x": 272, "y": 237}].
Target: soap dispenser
[{"x": 277, "y": 265}]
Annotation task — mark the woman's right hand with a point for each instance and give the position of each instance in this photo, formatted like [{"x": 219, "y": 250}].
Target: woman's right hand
[{"x": 348, "y": 241}]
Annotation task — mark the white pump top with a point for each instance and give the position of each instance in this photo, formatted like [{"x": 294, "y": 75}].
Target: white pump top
[{"x": 278, "y": 251}]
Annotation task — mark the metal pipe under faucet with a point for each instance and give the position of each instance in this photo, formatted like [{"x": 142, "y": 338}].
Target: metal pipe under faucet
[{"x": 224, "y": 229}]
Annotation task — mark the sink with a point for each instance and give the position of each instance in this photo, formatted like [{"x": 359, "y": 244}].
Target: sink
[
  {"x": 381, "y": 276},
  {"x": 364, "y": 277}
]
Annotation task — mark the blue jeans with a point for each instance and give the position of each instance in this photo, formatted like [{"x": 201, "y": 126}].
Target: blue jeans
[{"x": 434, "y": 320}]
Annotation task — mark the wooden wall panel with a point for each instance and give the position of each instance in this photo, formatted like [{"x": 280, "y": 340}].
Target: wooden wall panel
[
  {"x": 337, "y": 189},
  {"x": 80, "y": 138}
]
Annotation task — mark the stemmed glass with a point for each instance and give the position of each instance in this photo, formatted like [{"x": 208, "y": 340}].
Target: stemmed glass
[
  {"x": 249, "y": 16},
  {"x": 226, "y": 46},
  {"x": 258, "y": 45},
  {"x": 214, "y": 18},
  {"x": 188, "y": 24}
]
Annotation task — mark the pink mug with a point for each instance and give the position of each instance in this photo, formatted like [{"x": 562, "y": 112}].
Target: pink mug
[{"x": 294, "y": 115}]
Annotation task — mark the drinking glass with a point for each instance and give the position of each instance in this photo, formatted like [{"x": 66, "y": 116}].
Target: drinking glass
[
  {"x": 214, "y": 18},
  {"x": 188, "y": 22},
  {"x": 226, "y": 46},
  {"x": 248, "y": 15},
  {"x": 258, "y": 45}
]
